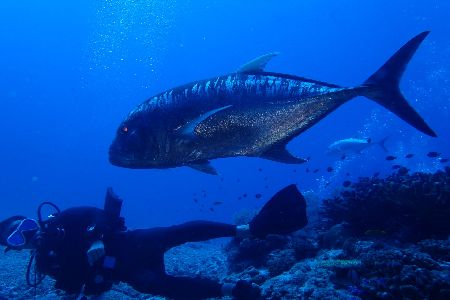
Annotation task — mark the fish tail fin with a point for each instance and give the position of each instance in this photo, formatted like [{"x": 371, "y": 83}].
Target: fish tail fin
[
  {"x": 383, "y": 86},
  {"x": 382, "y": 143}
]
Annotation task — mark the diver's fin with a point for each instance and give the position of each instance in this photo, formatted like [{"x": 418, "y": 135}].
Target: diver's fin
[
  {"x": 279, "y": 153},
  {"x": 383, "y": 85},
  {"x": 189, "y": 128},
  {"x": 112, "y": 205},
  {"x": 258, "y": 64},
  {"x": 203, "y": 166},
  {"x": 284, "y": 213},
  {"x": 382, "y": 143}
]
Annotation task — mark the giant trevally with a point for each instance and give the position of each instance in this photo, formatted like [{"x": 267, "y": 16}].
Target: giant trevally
[{"x": 247, "y": 113}]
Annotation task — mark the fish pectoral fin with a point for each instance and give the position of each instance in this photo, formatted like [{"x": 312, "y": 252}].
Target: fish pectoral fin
[
  {"x": 258, "y": 64},
  {"x": 189, "y": 128},
  {"x": 203, "y": 166},
  {"x": 279, "y": 153}
]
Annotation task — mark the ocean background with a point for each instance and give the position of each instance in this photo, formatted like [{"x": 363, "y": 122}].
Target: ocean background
[{"x": 70, "y": 71}]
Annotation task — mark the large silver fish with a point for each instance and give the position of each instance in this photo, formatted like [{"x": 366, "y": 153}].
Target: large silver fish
[{"x": 247, "y": 113}]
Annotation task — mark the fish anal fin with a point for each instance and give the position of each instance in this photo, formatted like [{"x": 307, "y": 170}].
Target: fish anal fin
[
  {"x": 258, "y": 64},
  {"x": 281, "y": 154},
  {"x": 189, "y": 128},
  {"x": 203, "y": 166}
]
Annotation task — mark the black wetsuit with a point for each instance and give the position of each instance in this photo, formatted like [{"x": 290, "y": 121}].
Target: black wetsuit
[{"x": 137, "y": 255}]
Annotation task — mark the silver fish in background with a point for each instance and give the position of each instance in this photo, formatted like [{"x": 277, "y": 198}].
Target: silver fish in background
[
  {"x": 247, "y": 113},
  {"x": 354, "y": 146}
]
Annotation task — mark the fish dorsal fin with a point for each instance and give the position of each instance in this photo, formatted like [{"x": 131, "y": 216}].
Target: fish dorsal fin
[
  {"x": 258, "y": 64},
  {"x": 278, "y": 152},
  {"x": 203, "y": 166},
  {"x": 189, "y": 128}
]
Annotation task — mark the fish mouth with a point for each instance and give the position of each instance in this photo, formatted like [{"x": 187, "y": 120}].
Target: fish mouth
[
  {"x": 129, "y": 161},
  {"x": 119, "y": 159},
  {"x": 123, "y": 162}
]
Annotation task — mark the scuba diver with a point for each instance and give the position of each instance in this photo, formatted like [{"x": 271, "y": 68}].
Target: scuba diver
[{"x": 87, "y": 249}]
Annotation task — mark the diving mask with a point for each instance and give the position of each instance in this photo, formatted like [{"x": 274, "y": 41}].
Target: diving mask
[{"x": 21, "y": 235}]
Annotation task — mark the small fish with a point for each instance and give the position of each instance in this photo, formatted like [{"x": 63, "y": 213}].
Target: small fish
[
  {"x": 295, "y": 170},
  {"x": 347, "y": 174},
  {"x": 307, "y": 170},
  {"x": 376, "y": 174},
  {"x": 260, "y": 170},
  {"x": 266, "y": 186},
  {"x": 346, "y": 183},
  {"x": 327, "y": 184},
  {"x": 395, "y": 167},
  {"x": 245, "y": 195},
  {"x": 403, "y": 171},
  {"x": 258, "y": 196},
  {"x": 240, "y": 198},
  {"x": 443, "y": 160},
  {"x": 217, "y": 202},
  {"x": 343, "y": 157},
  {"x": 390, "y": 157},
  {"x": 410, "y": 155},
  {"x": 211, "y": 209},
  {"x": 330, "y": 169},
  {"x": 433, "y": 154},
  {"x": 195, "y": 200},
  {"x": 316, "y": 170}
]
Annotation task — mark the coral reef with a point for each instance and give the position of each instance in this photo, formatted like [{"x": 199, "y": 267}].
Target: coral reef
[
  {"x": 308, "y": 279},
  {"x": 381, "y": 239},
  {"x": 252, "y": 252},
  {"x": 403, "y": 206},
  {"x": 275, "y": 252},
  {"x": 390, "y": 272}
]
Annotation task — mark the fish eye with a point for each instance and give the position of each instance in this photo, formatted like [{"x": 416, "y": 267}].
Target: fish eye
[{"x": 124, "y": 129}]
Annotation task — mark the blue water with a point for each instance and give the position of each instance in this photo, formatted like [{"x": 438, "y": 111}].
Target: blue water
[{"x": 72, "y": 70}]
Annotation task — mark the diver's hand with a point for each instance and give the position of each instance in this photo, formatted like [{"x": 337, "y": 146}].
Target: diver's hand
[
  {"x": 243, "y": 231},
  {"x": 95, "y": 252}
]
